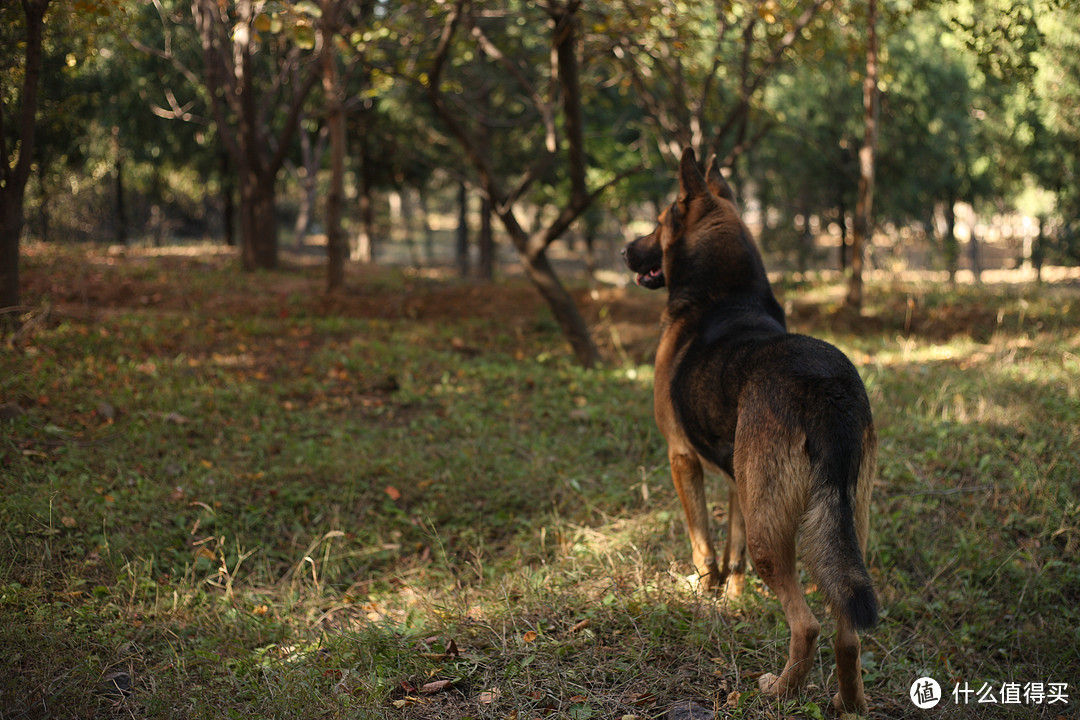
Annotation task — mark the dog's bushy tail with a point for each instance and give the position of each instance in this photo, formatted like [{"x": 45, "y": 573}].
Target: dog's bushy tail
[{"x": 830, "y": 543}]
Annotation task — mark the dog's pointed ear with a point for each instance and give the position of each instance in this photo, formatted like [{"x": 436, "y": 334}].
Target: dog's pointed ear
[
  {"x": 716, "y": 181},
  {"x": 691, "y": 181}
]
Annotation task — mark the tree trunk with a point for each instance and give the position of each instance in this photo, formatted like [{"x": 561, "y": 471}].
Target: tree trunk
[
  {"x": 952, "y": 248},
  {"x": 429, "y": 232},
  {"x": 563, "y": 307},
  {"x": 43, "y": 216},
  {"x": 256, "y": 152},
  {"x": 864, "y": 205},
  {"x": 486, "y": 242},
  {"x": 503, "y": 194},
  {"x": 973, "y": 255},
  {"x": 844, "y": 245},
  {"x": 1037, "y": 250},
  {"x": 121, "y": 210},
  {"x": 258, "y": 222},
  {"x": 11, "y": 222},
  {"x": 365, "y": 241},
  {"x": 565, "y": 42},
  {"x": 303, "y": 213},
  {"x": 228, "y": 199},
  {"x": 461, "y": 247},
  {"x": 336, "y": 244},
  {"x": 13, "y": 187}
]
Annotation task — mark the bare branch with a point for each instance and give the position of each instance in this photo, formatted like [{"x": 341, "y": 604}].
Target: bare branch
[
  {"x": 175, "y": 111},
  {"x": 539, "y": 242},
  {"x": 544, "y": 107},
  {"x": 469, "y": 143},
  {"x": 752, "y": 81}
]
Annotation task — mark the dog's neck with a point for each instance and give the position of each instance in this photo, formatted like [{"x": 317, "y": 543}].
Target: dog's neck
[
  {"x": 691, "y": 308},
  {"x": 738, "y": 282}
]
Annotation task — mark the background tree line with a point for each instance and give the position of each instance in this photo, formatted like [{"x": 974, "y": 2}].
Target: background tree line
[{"x": 127, "y": 121}]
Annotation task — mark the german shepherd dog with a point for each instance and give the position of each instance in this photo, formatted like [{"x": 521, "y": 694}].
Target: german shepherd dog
[{"x": 784, "y": 416}]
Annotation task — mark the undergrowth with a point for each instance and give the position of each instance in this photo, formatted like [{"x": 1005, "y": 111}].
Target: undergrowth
[{"x": 230, "y": 497}]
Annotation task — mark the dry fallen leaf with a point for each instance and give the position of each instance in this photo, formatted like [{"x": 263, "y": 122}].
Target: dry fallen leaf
[
  {"x": 68, "y": 521},
  {"x": 488, "y": 696},
  {"x": 435, "y": 686},
  {"x": 530, "y": 636},
  {"x": 580, "y": 626},
  {"x": 393, "y": 492}
]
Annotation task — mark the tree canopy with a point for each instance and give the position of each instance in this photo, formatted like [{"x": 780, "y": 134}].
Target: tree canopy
[{"x": 179, "y": 117}]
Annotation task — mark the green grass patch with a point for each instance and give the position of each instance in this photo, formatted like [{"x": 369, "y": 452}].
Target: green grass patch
[{"x": 227, "y": 496}]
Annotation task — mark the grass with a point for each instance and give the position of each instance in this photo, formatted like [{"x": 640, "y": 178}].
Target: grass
[{"x": 228, "y": 496}]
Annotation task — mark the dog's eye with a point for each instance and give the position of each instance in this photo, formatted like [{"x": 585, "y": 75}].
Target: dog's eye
[{"x": 674, "y": 219}]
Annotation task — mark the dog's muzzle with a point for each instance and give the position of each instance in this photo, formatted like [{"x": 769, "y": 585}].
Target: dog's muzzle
[{"x": 645, "y": 259}]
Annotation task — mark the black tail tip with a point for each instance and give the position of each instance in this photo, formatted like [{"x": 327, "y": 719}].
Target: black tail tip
[{"x": 862, "y": 609}]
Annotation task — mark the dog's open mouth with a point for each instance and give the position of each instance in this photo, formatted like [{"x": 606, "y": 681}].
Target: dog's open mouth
[{"x": 651, "y": 279}]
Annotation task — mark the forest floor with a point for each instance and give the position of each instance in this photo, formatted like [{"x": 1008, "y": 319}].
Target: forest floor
[{"x": 229, "y": 495}]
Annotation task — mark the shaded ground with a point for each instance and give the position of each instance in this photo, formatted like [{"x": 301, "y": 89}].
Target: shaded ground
[{"x": 228, "y": 495}]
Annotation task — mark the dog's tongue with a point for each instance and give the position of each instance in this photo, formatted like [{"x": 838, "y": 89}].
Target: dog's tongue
[{"x": 652, "y": 274}]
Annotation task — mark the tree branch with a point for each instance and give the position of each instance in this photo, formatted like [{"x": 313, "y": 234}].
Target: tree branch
[
  {"x": 293, "y": 117},
  {"x": 540, "y": 240},
  {"x": 35, "y": 14},
  {"x": 438, "y": 102},
  {"x": 205, "y": 25}
]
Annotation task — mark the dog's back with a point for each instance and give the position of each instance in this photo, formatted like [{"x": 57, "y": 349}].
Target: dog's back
[{"x": 801, "y": 402}]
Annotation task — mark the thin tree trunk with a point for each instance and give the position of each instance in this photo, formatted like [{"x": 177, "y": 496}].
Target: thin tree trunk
[
  {"x": 13, "y": 188},
  {"x": 952, "y": 248},
  {"x": 44, "y": 218},
  {"x": 336, "y": 244},
  {"x": 121, "y": 211},
  {"x": 461, "y": 247},
  {"x": 844, "y": 245},
  {"x": 486, "y": 242},
  {"x": 864, "y": 205},
  {"x": 228, "y": 199},
  {"x": 973, "y": 256},
  {"x": 429, "y": 232},
  {"x": 1037, "y": 250},
  {"x": 365, "y": 241}
]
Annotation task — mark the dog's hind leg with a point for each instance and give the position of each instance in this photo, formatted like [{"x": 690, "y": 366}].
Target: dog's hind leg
[
  {"x": 852, "y": 697},
  {"x": 733, "y": 575},
  {"x": 689, "y": 479},
  {"x": 775, "y": 563},
  {"x": 771, "y": 497}
]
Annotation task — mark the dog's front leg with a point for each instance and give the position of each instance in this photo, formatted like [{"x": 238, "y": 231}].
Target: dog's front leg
[
  {"x": 689, "y": 479},
  {"x": 733, "y": 576}
]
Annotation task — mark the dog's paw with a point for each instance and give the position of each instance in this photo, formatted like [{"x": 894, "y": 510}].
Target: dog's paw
[
  {"x": 850, "y": 710},
  {"x": 733, "y": 587},
  {"x": 772, "y": 684}
]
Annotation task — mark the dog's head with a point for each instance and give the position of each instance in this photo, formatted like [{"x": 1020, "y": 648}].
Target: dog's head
[{"x": 699, "y": 239}]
